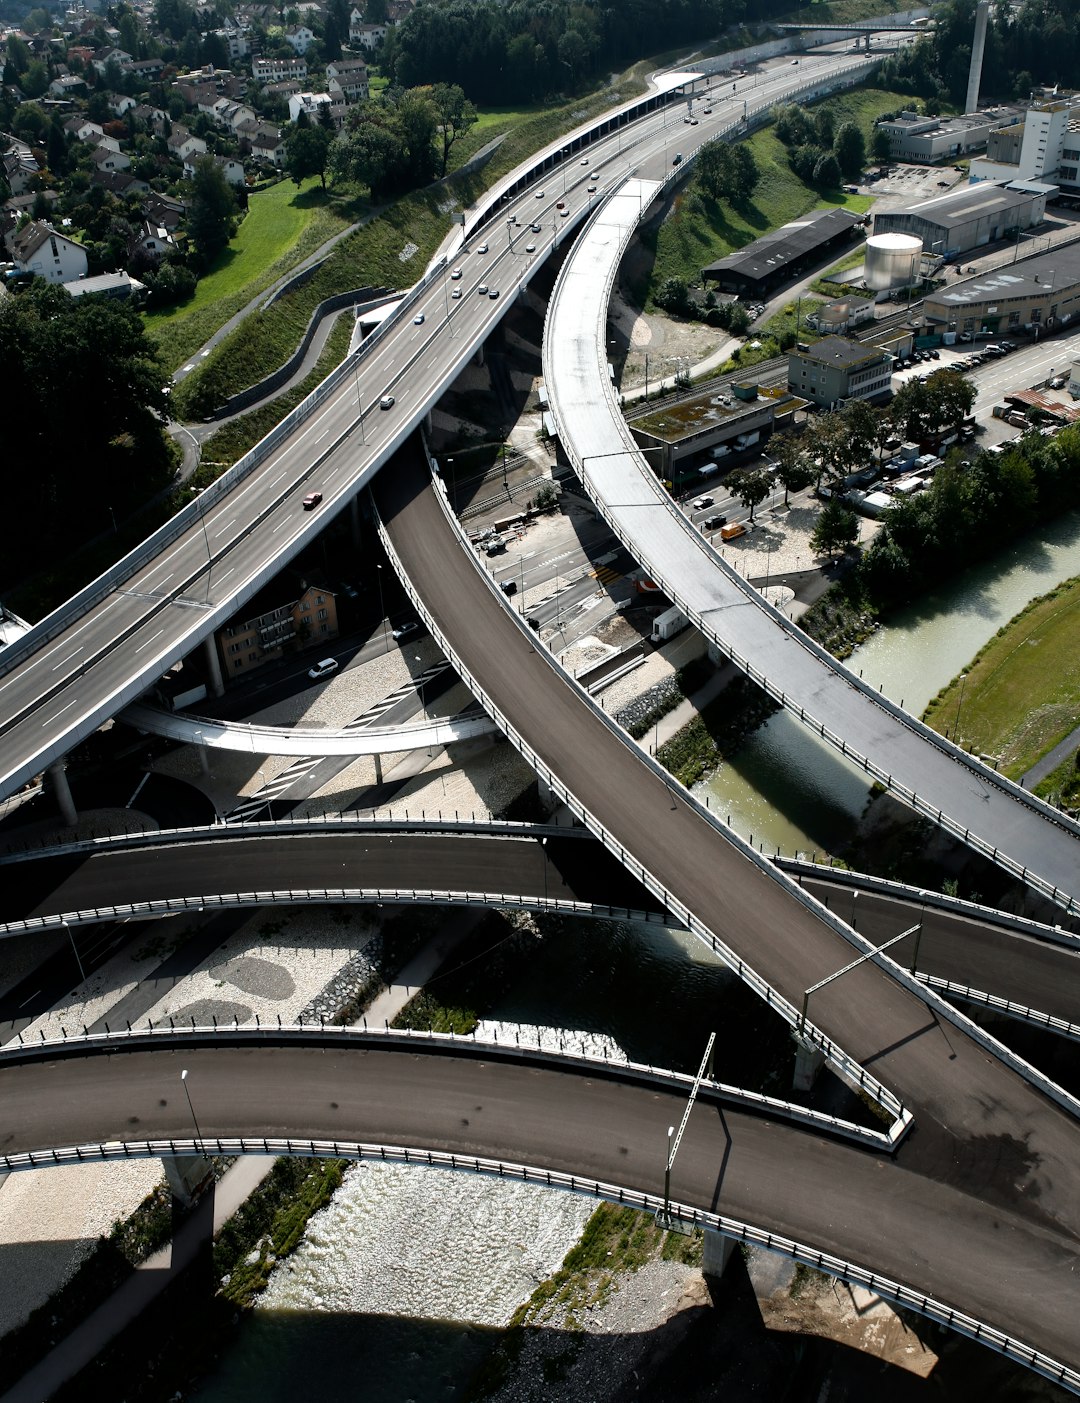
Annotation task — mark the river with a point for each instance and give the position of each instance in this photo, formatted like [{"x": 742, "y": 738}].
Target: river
[
  {"x": 401, "y": 1279},
  {"x": 792, "y": 791}
]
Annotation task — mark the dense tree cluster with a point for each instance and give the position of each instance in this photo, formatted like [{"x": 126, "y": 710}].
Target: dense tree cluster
[
  {"x": 726, "y": 172},
  {"x": 85, "y": 428},
  {"x": 820, "y": 153},
  {"x": 1036, "y": 41},
  {"x": 399, "y": 140}
]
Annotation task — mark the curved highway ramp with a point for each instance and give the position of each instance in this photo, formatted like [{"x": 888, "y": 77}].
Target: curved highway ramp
[
  {"x": 990, "y": 814},
  {"x": 755, "y": 1170}
]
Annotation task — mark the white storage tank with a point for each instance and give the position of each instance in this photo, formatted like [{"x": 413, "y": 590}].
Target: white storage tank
[{"x": 892, "y": 260}]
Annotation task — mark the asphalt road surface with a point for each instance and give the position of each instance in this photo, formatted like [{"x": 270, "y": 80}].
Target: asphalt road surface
[{"x": 962, "y": 1248}]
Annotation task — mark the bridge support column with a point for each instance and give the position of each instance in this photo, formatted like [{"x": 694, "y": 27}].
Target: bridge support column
[
  {"x": 478, "y": 359},
  {"x": 62, "y": 790},
  {"x": 354, "y": 519},
  {"x": 378, "y": 768},
  {"x": 716, "y": 1254},
  {"x": 548, "y": 800},
  {"x": 186, "y": 1174},
  {"x": 427, "y": 423},
  {"x": 213, "y": 667},
  {"x": 809, "y": 1060},
  {"x": 204, "y": 759}
]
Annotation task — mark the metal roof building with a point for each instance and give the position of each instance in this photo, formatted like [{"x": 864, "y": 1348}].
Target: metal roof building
[
  {"x": 969, "y": 217},
  {"x": 1037, "y": 292},
  {"x": 778, "y": 256}
]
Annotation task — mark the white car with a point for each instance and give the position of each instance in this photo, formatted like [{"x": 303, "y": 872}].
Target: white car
[
  {"x": 455, "y": 296},
  {"x": 539, "y": 194},
  {"x": 702, "y": 502},
  {"x": 584, "y": 160},
  {"x": 403, "y": 631},
  {"x": 482, "y": 248},
  {"x": 387, "y": 402},
  {"x": 418, "y": 320},
  {"x": 455, "y": 275},
  {"x": 323, "y": 669},
  {"x": 530, "y": 248},
  {"x": 482, "y": 289}
]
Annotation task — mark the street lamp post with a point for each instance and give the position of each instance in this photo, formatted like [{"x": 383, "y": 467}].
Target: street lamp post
[
  {"x": 75, "y": 951},
  {"x": 543, "y": 864},
  {"x": 191, "y": 1108},
  {"x": 418, "y": 659},
  {"x": 359, "y": 406}
]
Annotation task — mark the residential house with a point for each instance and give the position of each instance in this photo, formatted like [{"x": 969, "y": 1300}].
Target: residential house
[
  {"x": 39, "y": 249},
  {"x": 300, "y": 39},
  {"x": 165, "y": 210},
  {"x": 273, "y": 70},
  {"x": 18, "y": 170},
  {"x": 284, "y": 90},
  {"x": 347, "y": 79},
  {"x": 81, "y": 128},
  {"x": 68, "y": 86},
  {"x": 362, "y": 35},
  {"x": 150, "y": 243},
  {"x": 233, "y": 169},
  {"x": 183, "y": 144},
  {"x": 237, "y": 43},
  {"x": 117, "y": 286},
  {"x": 309, "y": 103},
  {"x": 106, "y": 160},
  {"x": 121, "y": 103},
  {"x": 263, "y": 141},
  {"x": 231, "y": 114},
  {"x": 267, "y": 635},
  {"x": 145, "y": 70},
  {"x": 119, "y": 183},
  {"x": 108, "y": 55}
]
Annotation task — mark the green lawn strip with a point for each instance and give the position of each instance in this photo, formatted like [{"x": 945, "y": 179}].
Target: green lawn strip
[
  {"x": 282, "y": 227},
  {"x": 615, "y": 1241},
  {"x": 791, "y": 321},
  {"x": 241, "y": 434},
  {"x": 1021, "y": 692},
  {"x": 701, "y": 230},
  {"x": 1062, "y": 784}
]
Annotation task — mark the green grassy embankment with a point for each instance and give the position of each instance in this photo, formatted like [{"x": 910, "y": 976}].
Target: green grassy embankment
[
  {"x": 1021, "y": 693},
  {"x": 282, "y": 227}
]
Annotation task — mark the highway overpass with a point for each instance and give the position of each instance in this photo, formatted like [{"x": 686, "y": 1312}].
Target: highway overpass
[
  {"x": 941, "y": 1243},
  {"x": 939, "y": 780}
]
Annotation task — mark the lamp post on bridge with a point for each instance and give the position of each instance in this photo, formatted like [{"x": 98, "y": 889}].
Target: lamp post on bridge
[{"x": 191, "y": 1108}]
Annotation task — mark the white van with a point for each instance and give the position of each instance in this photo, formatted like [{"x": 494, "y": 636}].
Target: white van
[{"x": 326, "y": 668}]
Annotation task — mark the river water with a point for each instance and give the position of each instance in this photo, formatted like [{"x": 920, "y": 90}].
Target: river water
[
  {"x": 790, "y": 790},
  {"x": 401, "y": 1279}
]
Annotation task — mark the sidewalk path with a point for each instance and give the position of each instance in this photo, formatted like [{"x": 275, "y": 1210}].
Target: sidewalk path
[
  {"x": 146, "y": 1283},
  {"x": 1051, "y": 760}
]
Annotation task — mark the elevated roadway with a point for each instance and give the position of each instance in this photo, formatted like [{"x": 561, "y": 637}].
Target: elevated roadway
[
  {"x": 99, "y": 652},
  {"x": 937, "y": 779},
  {"x": 303, "y": 740},
  {"x": 593, "y": 1127},
  {"x": 1026, "y": 968}
]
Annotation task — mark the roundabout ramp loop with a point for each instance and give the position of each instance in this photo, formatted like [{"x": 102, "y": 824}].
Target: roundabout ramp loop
[{"x": 1000, "y": 820}]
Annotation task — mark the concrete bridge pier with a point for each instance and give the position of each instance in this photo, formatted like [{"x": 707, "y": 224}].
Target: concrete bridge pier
[
  {"x": 213, "y": 667},
  {"x": 378, "y": 768},
  {"x": 717, "y": 1253},
  {"x": 809, "y": 1060},
  {"x": 478, "y": 359},
  {"x": 203, "y": 753},
  {"x": 60, "y": 787},
  {"x": 186, "y": 1174},
  {"x": 354, "y": 521}
]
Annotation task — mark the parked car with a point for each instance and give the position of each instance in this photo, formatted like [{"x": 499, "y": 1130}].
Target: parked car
[
  {"x": 713, "y": 523},
  {"x": 312, "y": 500},
  {"x": 403, "y": 631},
  {"x": 702, "y": 502},
  {"x": 323, "y": 669}
]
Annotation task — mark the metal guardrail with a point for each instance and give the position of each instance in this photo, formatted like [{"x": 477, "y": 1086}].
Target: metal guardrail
[
  {"x": 955, "y": 990},
  {"x": 1031, "y": 1074},
  {"x": 842, "y": 1063},
  {"x": 930, "y": 1307},
  {"x": 569, "y": 1056}
]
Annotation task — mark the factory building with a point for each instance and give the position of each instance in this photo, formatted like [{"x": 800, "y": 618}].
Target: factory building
[
  {"x": 967, "y": 218},
  {"x": 1038, "y": 294},
  {"x": 777, "y": 257}
]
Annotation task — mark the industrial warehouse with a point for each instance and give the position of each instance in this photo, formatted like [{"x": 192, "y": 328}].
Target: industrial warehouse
[
  {"x": 967, "y": 218},
  {"x": 1039, "y": 293},
  {"x": 775, "y": 258}
]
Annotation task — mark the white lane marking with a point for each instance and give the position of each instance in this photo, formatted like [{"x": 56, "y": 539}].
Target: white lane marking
[
  {"x": 226, "y": 575},
  {"x": 149, "y": 641},
  {"x": 60, "y": 713},
  {"x": 322, "y": 435},
  {"x": 225, "y": 528},
  {"x": 66, "y": 660}
]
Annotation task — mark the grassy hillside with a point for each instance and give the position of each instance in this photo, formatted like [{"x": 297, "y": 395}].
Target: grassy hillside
[{"x": 701, "y": 230}]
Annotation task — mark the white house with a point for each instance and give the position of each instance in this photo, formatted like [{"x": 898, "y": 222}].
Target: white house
[
  {"x": 309, "y": 103},
  {"x": 275, "y": 70},
  {"x": 103, "y": 57},
  {"x": 347, "y": 79},
  {"x": 106, "y": 160},
  {"x": 364, "y": 36},
  {"x": 300, "y": 39},
  {"x": 233, "y": 169},
  {"x": 40, "y": 250},
  {"x": 183, "y": 144}
]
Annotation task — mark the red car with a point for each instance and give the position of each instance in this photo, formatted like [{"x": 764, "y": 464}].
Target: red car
[{"x": 312, "y": 500}]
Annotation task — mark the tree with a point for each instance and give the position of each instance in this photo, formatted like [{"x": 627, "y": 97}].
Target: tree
[
  {"x": 837, "y": 529},
  {"x": 369, "y": 149},
  {"x": 455, "y": 114},
  {"x": 849, "y": 148},
  {"x": 793, "y": 467},
  {"x": 307, "y": 152},
  {"x": 211, "y": 212},
  {"x": 826, "y": 172},
  {"x": 750, "y": 486},
  {"x": 880, "y": 145},
  {"x": 745, "y": 173}
]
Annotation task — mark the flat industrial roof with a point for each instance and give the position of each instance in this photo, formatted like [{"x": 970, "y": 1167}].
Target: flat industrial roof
[
  {"x": 838, "y": 350},
  {"x": 1059, "y": 269},
  {"x": 963, "y": 205},
  {"x": 773, "y": 251}
]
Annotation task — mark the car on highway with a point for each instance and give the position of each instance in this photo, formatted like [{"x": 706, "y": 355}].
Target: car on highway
[
  {"x": 483, "y": 248},
  {"x": 456, "y": 294},
  {"x": 701, "y": 503},
  {"x": 584, "y": 160},
  {"x": 482, "y": 289},
  {"x": 312, "y": 500},
  {"x": 560, "y": 204},
  {"x": 493, "y": 293},
  {"x": 530, "y": 248},
  {"x": 693, "y": 121},
  {"x": 418, "y": 320},
  {"x": 323, "y": 669},
  {"x": 403, "y": 631},
  {"x": 794, "y": 63},
  {"x": 535, "y": 228},
  {"x": 539, "y": 194},
  {"x": 678, "y": 159},
  {"x": 455, "y": 275},
  {"x": 387, "y": 402}
]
